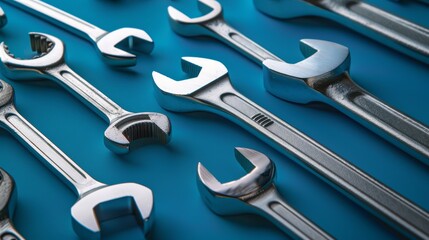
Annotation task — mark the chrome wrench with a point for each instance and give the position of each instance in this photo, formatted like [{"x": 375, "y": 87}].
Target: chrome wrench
[
  {"x": 95, "y": 200},
  {"x": 209, "y": 89},
  {"x": 107, "y": 43},
  {"x": 125, "y": 130},
  {"x": 323, "y": 76},
  {"x": 255, "y": 191}
]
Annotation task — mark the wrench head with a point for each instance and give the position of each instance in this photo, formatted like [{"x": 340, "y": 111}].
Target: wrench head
[
  {"x": 186, "y": 26},
  {"x": 180, "y": 96},
  {"x": 301, "y": 82},
  {"x": 50, "y": 53},
  {"x": 228, "y": 198},
  {"x": 6, "y": 94},
  {"x": 114, "y": 46},
  {"x": 8, "y": 196},
  {"x": 110, "y": 202},
  {"x": 136, "y": 129},
  {"x": 289, "y": 8},
  {"x": 3, "y": 18}
]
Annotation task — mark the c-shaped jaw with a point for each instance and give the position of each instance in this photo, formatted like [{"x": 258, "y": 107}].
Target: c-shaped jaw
[
  {"x": 260, "y": 175},
  {"x": 8, "y": 195},
  {"x": 184, "y": 25},
  {"x": 50, "y": 52},
  {"x": 109, "y": 202},
  {"x": 324, "y": 62}
]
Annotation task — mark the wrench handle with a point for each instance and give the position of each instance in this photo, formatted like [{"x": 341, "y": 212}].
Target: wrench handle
[
  {"x": 57, "y": 161},
  {"x": 87, "y": 93},
  {"x": 59, "y": 18},
  {"x": 238, "y": 41},
  {"x": 271, "y": 204},
  {"x": 351, "y": 181},
  {"x": 401, "y": 130}
]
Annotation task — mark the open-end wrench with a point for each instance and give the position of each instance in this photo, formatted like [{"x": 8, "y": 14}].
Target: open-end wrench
[
  {"x": 397, "y": 33},
  {"x": 323, "y": 76},
  {"x": 96, "y": 202},
  {"x": 8, "y": 196},
  {"x": 209, "y": 89},
  {"x": 125, "y": 129},
  {"x": 107, "y": 43},
  {"x": 255, "y": 193}
]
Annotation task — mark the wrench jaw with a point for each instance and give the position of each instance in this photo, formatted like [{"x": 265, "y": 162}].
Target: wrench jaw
[
  {"x": 110, "y": 202},
  {"x": 8, "y": 195},
  {"x": 289, "y": 8},
  {"x": 181, "y": 96},
  {"x": 137, "y": 129},
  {"x": 231, "y": 198},
  {"x": 3, "y": 18},
  {"x": 7, "y": 95},
  {"x": 186, "y": 26},
  {"x": 303, "y": 82},
  {"x": 113, "y": 47},
  {"x": 50, "y": 53}
]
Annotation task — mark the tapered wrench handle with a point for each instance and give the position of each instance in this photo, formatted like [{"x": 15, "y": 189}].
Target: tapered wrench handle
[
  {"x": 354, "y": 183},
  {"x": 235, "y": 39},
  {"x": 87, "y": 93},
  {"x": 68, "y": 171},
  {"x": 59, "y": 18},
  {"x": 287, "y": 218},
  {"x": 404, "y": 132}
]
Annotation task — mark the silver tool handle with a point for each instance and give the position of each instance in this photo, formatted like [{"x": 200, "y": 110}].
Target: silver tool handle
[
  {"x": 236, "y": 40},
  {"x": 401, "y": 130},
  {"x": 87, "y": 93},
  {"x": 68, "y": 171},
  {"x": 287, "y": 218},
  {"x": 389, "y": 29},
  {"x": 8, "y": 231},
  {"x": 59, "y": 18},
  {"x": 360, "y": 187}
]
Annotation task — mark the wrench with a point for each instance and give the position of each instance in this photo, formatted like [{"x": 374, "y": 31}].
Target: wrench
[
  {"x": 397, "y": 33},
  {"x": 209, "y": 89},
  {"x": 323, "y": 76},
  {"x": 3, "y": 18},
  {"x": 107, "y": 43},
  {"x": 125, "y": 129},
  {"x": 255, "y": 191},
  {"x": 97, "y": 202},
  {"x": 8, "y": 196}
]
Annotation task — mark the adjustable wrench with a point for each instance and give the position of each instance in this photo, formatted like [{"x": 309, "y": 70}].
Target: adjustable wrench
[
  {"x": 323, "y": 76},
  {"x": 209, "y": 89},
  {"x": 96, "y": 202},
  {"x": 255, "y": 191},
  {"x": 8, "y": 196},
  {"x": 107, "y": 43},
  {"x": 397, "y": 33},
  {"x": 125, "y": 129}
]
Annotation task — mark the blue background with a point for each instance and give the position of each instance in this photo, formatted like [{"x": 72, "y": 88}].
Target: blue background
[{"x": 43, "y": 209}]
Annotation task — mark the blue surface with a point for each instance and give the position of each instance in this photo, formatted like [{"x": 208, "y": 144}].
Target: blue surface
[{"x": 43, "y": 209}]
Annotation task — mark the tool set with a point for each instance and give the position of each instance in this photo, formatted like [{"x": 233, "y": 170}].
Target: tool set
[{"x": 323, "y": 76}]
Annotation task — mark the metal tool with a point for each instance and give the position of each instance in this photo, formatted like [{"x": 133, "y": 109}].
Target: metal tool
[
  {"x": 209, "y": 89},
  {"x": 390, "y": 30},
  {"x": 96, "y": 202},
  {"x": 8, "y": 196},
  {"x": 323, "y": 76},
  {"x": 255, "y": 193},
  {"x": 3, "y": 18},
  {"x": 125, "y": 130},
  {"x": 113, "y": 46}
]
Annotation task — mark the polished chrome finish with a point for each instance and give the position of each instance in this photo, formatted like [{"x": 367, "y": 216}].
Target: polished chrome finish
[
  {"x": 209, "y": 89},
  {"x": 96, "y": 202},
  {"x": 397, "y": 33},
  {"x": 125, "y": 129},
  {"x": 299, "y": 82},
  {"x": 8, "y": 199},
  {"x": 255, "y": 192},
  {"x": 107, "y": 43}
]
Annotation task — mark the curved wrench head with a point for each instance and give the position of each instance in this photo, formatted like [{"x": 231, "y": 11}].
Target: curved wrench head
[
  {"x": 289, "y": 8},
  {"x": 186, "y": 26},
  {"x": 227, "y": 198},
  {"x": 3, "y": 18},
  {"x": 114, "y": 46},
  {"x": 50, "y": 53},
  {"x": 8, "y": 195},
  {"x": 137, "y": 129},
  {"x": 300, "y": 82},
  {"x": 6, "y": 94},
  {"x": 110, "y": 202},
  {"x": 177, "y": 95}
]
